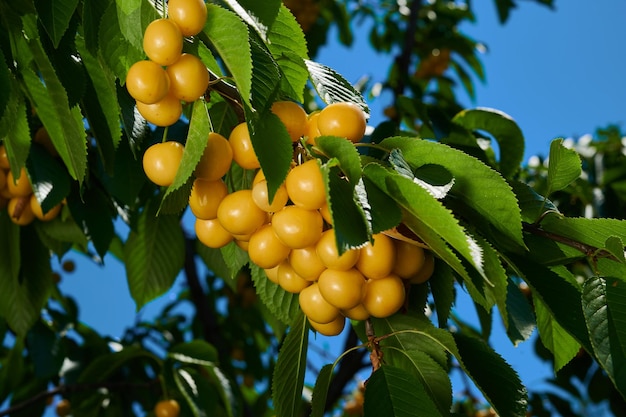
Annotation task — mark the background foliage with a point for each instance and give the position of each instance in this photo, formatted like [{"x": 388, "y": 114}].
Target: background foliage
[{"x": 539, "y": 247}]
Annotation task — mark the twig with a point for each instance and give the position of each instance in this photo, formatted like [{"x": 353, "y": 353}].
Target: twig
[{"x": 588, "y": 250}]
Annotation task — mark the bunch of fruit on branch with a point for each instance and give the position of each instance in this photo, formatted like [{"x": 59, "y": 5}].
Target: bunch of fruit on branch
[
  {"x": 291, "y": 235},
  {"x": 16, "y": 192},
  {"x": 169, "y": 77}
]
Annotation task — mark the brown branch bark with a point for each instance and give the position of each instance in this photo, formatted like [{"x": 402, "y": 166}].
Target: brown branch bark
[
  {"x": 588, "y": 250},
  {"x": 403, "y": 60}
]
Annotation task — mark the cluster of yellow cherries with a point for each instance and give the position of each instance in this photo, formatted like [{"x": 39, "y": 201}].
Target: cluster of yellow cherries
[
  {"x": 16, "y": 194},
  {"x": 169, "y": 77},
  {"x": 291, "y": 237}
]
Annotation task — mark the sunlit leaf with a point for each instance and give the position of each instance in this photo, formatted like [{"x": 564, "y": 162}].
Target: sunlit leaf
[
  {"x": 562, "y": 345},
  {"x": 564, "y": 166},
  {"x": 332, "y": 87},
  {"x": 282, "y": 304}
]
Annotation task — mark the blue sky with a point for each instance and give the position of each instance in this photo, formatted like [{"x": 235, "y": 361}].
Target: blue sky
[{"x": 557, "y": 73}]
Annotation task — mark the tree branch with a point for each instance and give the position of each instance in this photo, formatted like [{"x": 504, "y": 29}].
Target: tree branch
[
  {"x": 403, "y": 60},
  {"x": 588, "y": 250}
]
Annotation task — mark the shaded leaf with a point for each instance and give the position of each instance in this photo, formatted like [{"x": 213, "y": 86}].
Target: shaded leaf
[
  {"x": 282, "y": 304},
  {"x": 288, "y": 377},
  {"x": 153, "y": 254},
  {"x": 562, "y": 345},
  {"x": 391, "y": 391},
  {"x": 320, "y": 390},
  {"x": 55, "y": 17}
]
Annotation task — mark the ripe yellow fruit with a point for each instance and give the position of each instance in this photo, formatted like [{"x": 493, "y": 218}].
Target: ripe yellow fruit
[
  {"x": 265, "y": 249},
  {"x": 426, "y": 272},
  {"x": 189, "y": 78},
  {"x": 38, "y": 211},
  {"x": 296, "y": 227},
  {"x": 409, "y": 259},
  {"x": 293, "y": 117},
  {"x": 289, "y": 280},
  {"x": 261, "y": 197},
  {"x": 206, "y": 197},
  {"x": 312, "y": 131},
  {"x": 357, "y": 313},
  {"x": 19, "y": 187},
  {"x": 243, "y": 152},
  {"x": 3, "y": 179},
  {"x": 272, "y": 274},
  {"x": 167, "y": 408},
  {"x": 239, "y": 215},
  {"x": 306, "y": 263},
  {"x": 315, "y": 306},
  {"x": 327, "y": 251},
  {"x": 161, "y": 162},
  {"x": 343, "y": 289},
  {"x": 19, "y": 211},
  {"x": 384, "y": 296},
  {"x": 333, "y": 328},
  {"x": 377, "y": 260},
  {"x": 189, "y": 15},
  {"x": 216, "y": 159},
  {"x": 4, "y": 158},
  {"x": 305, "y": 185},
  {"x": 212, "y": 234},
  {"x": 147, "y": 82},
  {"x": 345, "y": 120},
  {"x": 164, "y": 112},
  {"x": 163, "y": 42}
]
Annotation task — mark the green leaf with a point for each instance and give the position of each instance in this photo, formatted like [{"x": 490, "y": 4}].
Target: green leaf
[
  {"x": 605, "y": 335},
  {"x": 288, "y": 376},
  {"x": 93, "y": 10},
  {"x": 282, "y": 304},
  {"x": 199, "y": 129},
  {"x": 93, "y": 213},
  {"x": 196, "y": 352},
  {"x": 522, "y": 321},
  {"x": 381, "y": 210},
  {"x": 559, "y": 296},
  {"x": 349, "y": 219},
  {"x": 55, "y": 17},
  {"x": 226, "y": 32},
  {"x": 213, "y": 259},
  {"x": 10, "y": 253},
  {"x": 15, "y": 133},
  {"x": 12, "y": 370},
  {"x": 378, "y": 176},
  {"x": 288, "y": 46},
  {"x": 391, "y": 391},
  {"x": 106, "y": 92},
  {"x": 48, "y": 179},
  {"x": 273, "y": 147},
  {"x": 117, "y": 52},
  {"x": 332, "y": 87},
  {"x": 495, "y": 378},
  {"x": 49, "y": 98},
  {"x": 442, "y": 288},
  {"x": 564, "y": 166},
  {"x": 5, "y": 85},
  {"x": 63, "y": 230},
  {"x": 205, "y": 390},
  {"x": 503, "y": 128},
  {"x": 562, "y": 345},
  {"x": 615, "y": 246},
  {"x": 433, "y": 378},
  {"x": 344, "y": 152},
  {"x": 100, "y": 368},
  {"x": 133, "y": 17},
  {"x": 266, "y": 77},
  {"x": 260, "y": 16},
  {"x": 320, "y": 390},
  {"x": 154, "y": 255},
  {"x": 235, "y": 258},
  {"x": 475, "y": 184},
  {"x": 25, "y": 293}
]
